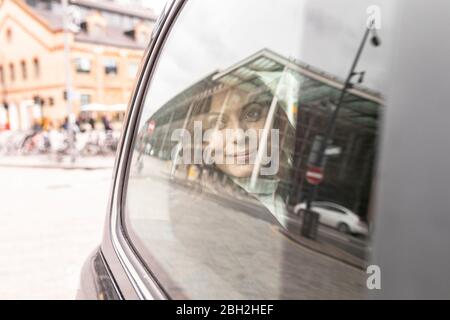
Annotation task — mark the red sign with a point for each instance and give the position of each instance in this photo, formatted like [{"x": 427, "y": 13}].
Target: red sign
[
  {"x": 151, "y": 127},
  {"x": 314, "y": 175}
]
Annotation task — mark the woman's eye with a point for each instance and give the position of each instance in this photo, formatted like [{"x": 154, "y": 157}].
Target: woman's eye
[{"x": 253, "y": 113}]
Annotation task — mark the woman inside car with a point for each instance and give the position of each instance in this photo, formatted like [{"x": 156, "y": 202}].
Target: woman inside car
[{"x": 246, "y": 146}]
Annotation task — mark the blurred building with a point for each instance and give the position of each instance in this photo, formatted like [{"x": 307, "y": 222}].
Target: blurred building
[{"x": 106, "y": 42}]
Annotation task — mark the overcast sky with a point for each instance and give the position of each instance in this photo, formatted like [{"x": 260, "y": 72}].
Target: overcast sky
[{"x": 215, "y": 34}]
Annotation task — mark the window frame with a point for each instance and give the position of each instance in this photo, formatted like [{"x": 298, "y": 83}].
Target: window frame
[
  {"x": 12, "y": 72},
  {"x": 36, "y": 68},
  {"x": 132, "y": 66},
  {"x": 79, "y": 65},
  {"x": 138, "y": 271},
  {"x": 85, "y": 98},
  {"x": 9, "y": 35},
  {"x": 144, "y": 283},
  {"x": 110, "y": 67},
  {"x": 24, "y": 71}
]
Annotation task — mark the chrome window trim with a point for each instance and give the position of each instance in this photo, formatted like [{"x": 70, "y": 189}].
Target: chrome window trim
[
  {"x": 111, "y": 276},
  {"x": 143, "y": 282}
]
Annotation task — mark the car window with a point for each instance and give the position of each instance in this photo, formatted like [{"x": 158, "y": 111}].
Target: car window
[
  {"x": 328, "y": 206},
  {"x": 337, "y": 209},
  {"x": 239, "y": 125}
]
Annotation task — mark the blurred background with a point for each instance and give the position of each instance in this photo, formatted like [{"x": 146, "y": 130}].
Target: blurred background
[{"x": 67, "y": 69}]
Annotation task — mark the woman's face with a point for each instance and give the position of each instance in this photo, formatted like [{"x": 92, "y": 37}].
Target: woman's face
[{"x": 233, "y": 115}]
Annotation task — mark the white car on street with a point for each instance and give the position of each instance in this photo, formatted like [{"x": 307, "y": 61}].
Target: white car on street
[{"x": 336, "y": 216}]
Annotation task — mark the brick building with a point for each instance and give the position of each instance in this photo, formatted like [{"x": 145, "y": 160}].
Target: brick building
[{"x": 105, "y": 51}]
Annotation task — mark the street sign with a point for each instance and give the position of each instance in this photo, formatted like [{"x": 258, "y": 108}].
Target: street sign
[{"x": 314, "y": 175}]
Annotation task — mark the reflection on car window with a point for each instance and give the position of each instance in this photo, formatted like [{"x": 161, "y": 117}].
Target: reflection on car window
[{"x": 237, "y": 184}]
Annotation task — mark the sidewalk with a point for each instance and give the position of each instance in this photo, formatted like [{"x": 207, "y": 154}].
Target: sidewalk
[
  {"x": 50, "y": 162},
  {"x": 326, "y": 249}
]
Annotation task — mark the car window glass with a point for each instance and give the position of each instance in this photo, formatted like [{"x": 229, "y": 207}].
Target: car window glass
[
  {"x": 337, "y": 209},
  {"x": 327, "y": 207},
  {"x": 239, "y": 125}
]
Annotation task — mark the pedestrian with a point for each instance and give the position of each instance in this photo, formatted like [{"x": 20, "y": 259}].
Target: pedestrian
[{"x": 106, "y": 123}]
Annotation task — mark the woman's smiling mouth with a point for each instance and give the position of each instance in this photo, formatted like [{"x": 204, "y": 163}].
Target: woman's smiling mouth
[{"x": 242, "y": 157}]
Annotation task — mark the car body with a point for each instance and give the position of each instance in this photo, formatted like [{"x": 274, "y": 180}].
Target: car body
[
  {"x": 166, "y": 237},
  {"x": 336, "y": 216}
]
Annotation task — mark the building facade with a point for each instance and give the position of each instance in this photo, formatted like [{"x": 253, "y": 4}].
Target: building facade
[{"x": 106, "y": 44}]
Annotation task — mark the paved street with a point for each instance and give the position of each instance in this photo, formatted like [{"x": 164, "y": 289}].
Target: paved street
[
  {"x": 213, "y": 245},
  {"x": 51, "y": 220}
]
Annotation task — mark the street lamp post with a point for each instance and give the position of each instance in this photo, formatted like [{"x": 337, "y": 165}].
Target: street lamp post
[
  {"x": 347, "y": 85},
  {"x": 332, "y": 122},
  {"x": 68, "y": 74}
]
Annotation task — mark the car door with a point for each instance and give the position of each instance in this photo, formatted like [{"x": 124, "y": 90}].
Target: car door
[
  {"x": 335, "y": 217},
  {"x": 326, "y": 214},
  {"x": 340, "y": 216},
  {"x": 263, "y": 71},
  {"x": 412, "y": 187}
]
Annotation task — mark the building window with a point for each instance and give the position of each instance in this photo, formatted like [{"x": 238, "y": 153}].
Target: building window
[
  {"x": 2, "y": 79},
  {"x": 51, "y": 101},
  {"x": 132, "y": 69},
  {"x": 96, "y": 29},
  {"x": 127, "y": 22},
  {"x": 32, "y": 3},
  {"x": 85, "y": 99},
  {"x": 9, "y": 35},
  {"x": 23, "y": 66},
  {"x": 36, "y": 67},
  {"x": 142, "y": 37},
  {"x": 38, "y": 100},
  {"x": 110, "y": 66},
  {"x": 115, "y": 19},
  {"x": 83, "y": 65},
  {"x": 12, "y": 73}
]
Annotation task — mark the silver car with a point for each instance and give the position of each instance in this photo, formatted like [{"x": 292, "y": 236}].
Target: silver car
[{"x": 336, "y": 216}]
